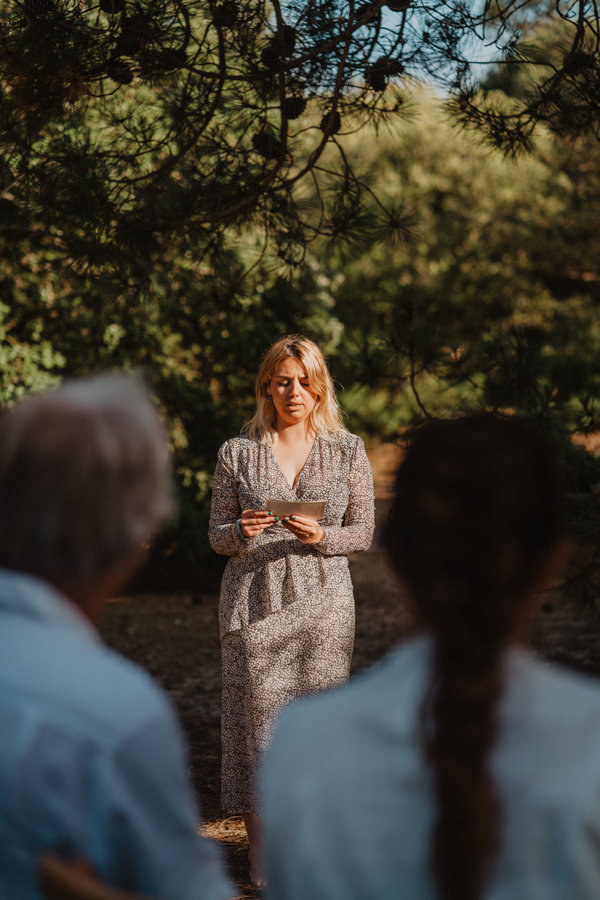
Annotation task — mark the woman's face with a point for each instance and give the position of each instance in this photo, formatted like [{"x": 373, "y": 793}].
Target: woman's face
[{"x": 290, "y": 392}]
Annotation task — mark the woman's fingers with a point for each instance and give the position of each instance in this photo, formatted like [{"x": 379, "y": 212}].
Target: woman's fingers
[
  {"x": 301, "y": 524},
  {"x": 257, "y": 515},
  {"x": 304, "y": 528},
  {"x": 254, "y": 521}
]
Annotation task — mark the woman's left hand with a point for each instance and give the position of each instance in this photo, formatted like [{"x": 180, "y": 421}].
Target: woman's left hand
[{"x": 308, "y": 531}]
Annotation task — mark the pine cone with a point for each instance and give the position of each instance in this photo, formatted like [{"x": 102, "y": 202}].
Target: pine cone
[
  {"x": 279, "y": 48},
  {"x": 119, "y": 71},
  {"x": 172, "y": 59},
  {"x": 366, "y": 11},
  {"x": 154, "y": 63},
  {"x": 287, "y": 40},
  {"x": 390, "y": 66},
  {"x": 577, "y": 62},
  {"x": 225, "y": 14},
  {"x": 128, "y": 43},
  {"x": 375, "y": 77},
  {"x": 266, "y": 144},
  {"x": 112, "y": 7},
  {"x": 150, "y": 64},
  {"x": 293, "y": 107},
  {"x": 331, "y": 122},
  {"x": 270, "y": 57}
]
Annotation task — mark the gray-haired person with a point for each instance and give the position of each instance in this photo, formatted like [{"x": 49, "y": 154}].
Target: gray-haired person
[{"x": 92, "y": 762}]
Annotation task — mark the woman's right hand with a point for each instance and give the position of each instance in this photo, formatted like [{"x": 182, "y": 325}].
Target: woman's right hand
[{"x": 255, "y": 521}]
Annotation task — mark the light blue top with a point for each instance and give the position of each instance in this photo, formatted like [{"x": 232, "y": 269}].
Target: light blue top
[
  {"x": 348, "y": 800},
  {"x": 91, "y": 759}
]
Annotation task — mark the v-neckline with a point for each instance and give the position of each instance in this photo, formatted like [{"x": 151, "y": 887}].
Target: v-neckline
[{"x": 293, "y": 487}]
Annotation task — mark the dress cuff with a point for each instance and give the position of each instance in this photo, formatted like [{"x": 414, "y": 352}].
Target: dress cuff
[
  {"x": 236, "y": 530},
  {"x": 322, "y": 544}
]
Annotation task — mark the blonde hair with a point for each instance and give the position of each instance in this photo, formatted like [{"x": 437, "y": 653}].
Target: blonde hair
[{"x": 325, "y": 417}]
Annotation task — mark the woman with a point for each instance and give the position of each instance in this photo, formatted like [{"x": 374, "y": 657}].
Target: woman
[
  {"x": 287, "y": 608},
  {"x": 462, "y": 767}
]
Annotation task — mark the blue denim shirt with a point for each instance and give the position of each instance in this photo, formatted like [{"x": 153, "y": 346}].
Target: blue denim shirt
[
  {"x": 348, "y": 799},
  {"x": 92, "y": 762}
]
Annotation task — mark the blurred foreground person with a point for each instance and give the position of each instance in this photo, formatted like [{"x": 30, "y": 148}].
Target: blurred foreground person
[
  {"x": 462, "y": 767},
  {"x": 92, "y": 762}
]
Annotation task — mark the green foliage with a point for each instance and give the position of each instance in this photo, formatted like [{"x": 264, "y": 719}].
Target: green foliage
[
  {"x": 130, "y": 128},
  {"x": 486, "y": 301},
  {"x": 490, "y": 302},
  {"x": 182, "y": 182},
  {"x": 25, "y": 366}
]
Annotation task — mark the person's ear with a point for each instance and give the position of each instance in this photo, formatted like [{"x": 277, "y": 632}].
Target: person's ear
[
  {"x": 555, "y": 565},
  {"x": 548, "y": 579},
  {"x": 94, "y": 600}
]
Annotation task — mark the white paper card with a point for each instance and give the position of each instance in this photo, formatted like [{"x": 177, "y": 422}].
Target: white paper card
[{"x": 314, "y": 509}]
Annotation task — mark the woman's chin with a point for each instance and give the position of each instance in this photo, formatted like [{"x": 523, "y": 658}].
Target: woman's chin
[{"x": 293, "y": 418}]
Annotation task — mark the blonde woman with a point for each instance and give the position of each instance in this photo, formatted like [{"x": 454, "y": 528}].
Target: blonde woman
[{"x": 287, "y": 607}]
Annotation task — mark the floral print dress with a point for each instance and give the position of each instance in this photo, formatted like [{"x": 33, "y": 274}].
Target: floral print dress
[{"x": 286, "y": 609}]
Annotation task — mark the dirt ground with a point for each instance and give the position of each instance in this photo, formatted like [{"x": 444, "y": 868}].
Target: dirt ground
[{"x": 175, "y": 637}]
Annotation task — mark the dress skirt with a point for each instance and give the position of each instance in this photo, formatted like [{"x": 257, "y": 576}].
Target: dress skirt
[{"x": 303, "y": 648}]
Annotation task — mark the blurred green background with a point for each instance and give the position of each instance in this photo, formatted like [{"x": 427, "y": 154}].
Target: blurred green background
[{"x": 479, "y": 287}]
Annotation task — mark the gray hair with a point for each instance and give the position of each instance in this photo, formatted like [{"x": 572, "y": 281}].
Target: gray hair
[{"x": 84, "y": 480}]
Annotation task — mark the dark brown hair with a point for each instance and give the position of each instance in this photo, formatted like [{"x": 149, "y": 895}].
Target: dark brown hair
[{"x": 477, "y": 512}]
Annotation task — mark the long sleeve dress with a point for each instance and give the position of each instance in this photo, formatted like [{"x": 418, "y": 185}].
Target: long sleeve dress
[{"x": 286, "y": 609}]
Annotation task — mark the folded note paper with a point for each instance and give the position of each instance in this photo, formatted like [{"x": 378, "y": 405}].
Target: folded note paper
[{"x": 314, "y": 509}]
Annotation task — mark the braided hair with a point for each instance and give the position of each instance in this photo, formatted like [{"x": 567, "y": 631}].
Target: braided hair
[{"x": 477, "y": 513}]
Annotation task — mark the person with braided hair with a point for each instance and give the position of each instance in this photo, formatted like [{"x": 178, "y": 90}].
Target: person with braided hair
[{"x": 462, "y": 767}]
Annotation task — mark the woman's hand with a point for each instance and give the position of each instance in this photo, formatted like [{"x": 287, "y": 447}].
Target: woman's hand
[
  {"x": 308, "y": 531},
  {"x": 254, "y": 521}
]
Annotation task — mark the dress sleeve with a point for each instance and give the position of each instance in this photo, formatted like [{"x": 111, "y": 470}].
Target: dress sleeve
[
  {"x": 225, "y": 507},
  {"x": 356, "y": 532}
]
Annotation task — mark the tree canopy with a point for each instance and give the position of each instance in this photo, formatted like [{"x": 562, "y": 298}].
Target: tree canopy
[
  {"x": 182, "y": 181},
  {"x": 128, "y": 127}
]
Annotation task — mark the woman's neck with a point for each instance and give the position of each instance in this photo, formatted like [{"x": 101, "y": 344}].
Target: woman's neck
[{"x": 297, "y": 433}]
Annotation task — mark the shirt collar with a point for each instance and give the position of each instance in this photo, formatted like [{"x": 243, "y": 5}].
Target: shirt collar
[{"x": 28, "y": 596}]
